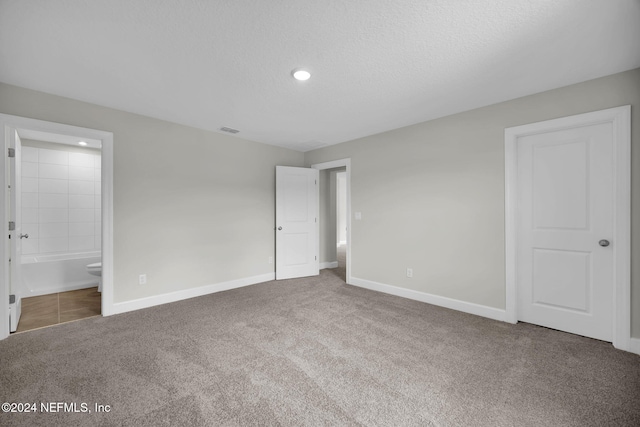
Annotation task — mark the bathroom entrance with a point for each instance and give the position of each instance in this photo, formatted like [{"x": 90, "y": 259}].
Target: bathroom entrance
[
  {"x": 55, "y": 237},
  {"x": 59, "y": 217}
]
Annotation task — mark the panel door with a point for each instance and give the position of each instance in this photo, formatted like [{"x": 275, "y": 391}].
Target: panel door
[
  {"x": 296, "y": 222},
  {"x": 565, "y": 257}
]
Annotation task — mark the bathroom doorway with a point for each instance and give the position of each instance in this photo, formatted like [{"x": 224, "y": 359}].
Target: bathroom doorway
[
  {"x": 58, "y": 244},
  {"x": 60, "y": 228}
]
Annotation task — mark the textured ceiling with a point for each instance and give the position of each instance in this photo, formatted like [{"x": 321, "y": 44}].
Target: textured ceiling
[{"x": 377, "y": 64}]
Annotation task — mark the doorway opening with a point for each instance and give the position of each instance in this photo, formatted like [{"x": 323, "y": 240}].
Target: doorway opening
[
  {"x": 60, "y": 214},
  {"x": 334, "y": 217},
  {"x": 57, "y": 251}
]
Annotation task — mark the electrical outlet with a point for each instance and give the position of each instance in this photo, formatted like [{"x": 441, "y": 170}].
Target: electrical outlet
[
  {"x": 409, "y": 272},
  {"x": 270, "y": 260},
  {"x": 142, "y": 279}
]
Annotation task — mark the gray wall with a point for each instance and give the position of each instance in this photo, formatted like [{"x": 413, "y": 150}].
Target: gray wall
[
  {"x": 432, "y": 194},
  {"x": 191, "y": 207}
]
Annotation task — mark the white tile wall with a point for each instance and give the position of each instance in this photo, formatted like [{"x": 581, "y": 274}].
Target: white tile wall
[
  {"x": 81, "y": 229},
  {"x": 81, "y": 215},
  {"x": 46, "y": 170},
  {"x": 81, "y": 187},
  {"x": 29, "y": 200},
  {"x": 29, "y": 185},
  {"x": 54, "y": 230},
  {"x": 85, "y": 174},
  {"x": 29, "y": 246},
  {"x": 60, "y": 201},
  {"x": 55, "y": 157},
  {"x": 81, "y": 243},
  {"x": 29, "y": 215},
  {"x": 59, "y": 186},
  {"x": 48, "y": 215},
  {"x": 79, "y": 159},
  {"x": 81, "y": 201},
  {"x": 47, "y": 200},
  {"x": 54, "y": 244},
  {"x": 29, "y": 154},
  {"x": 29, "y": 170}
]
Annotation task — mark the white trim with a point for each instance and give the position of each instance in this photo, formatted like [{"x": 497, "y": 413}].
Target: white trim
[
  {"x": 9, "y": 122},
  {"x": 328, "y": 264},
  {"x": 347, "y": 164},
  {"x": 137, "y": 304},
  {"x": 620, "y": 118},
  {"x": 634, "y": 345},
  {"x": 454, "y": 304}
]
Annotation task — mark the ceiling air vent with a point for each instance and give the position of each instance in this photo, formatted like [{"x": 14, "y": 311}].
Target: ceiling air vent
[{"x": 226, "y": 129}]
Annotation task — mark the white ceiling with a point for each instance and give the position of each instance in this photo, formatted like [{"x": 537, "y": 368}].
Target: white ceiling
[{"x": 377, "y": 64}]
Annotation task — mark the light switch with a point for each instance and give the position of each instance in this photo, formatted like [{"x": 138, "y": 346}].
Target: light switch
[{"x": 358, "y": 215}]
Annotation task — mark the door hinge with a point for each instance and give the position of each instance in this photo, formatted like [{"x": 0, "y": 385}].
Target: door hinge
[
  {"x": 11, "y": 152},
  {"x": 316, "y": 257},
  {"x": 12, "y": 225}
]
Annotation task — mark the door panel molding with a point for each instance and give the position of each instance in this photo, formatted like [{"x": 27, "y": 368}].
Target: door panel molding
[{"x": 620, "y": 119}]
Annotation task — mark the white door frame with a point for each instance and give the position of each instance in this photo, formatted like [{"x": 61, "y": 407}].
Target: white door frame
[
  {"x": 9, "y": 123},
  {"x": 620, "y": 118},
  {"x": 338, "y": 164}
]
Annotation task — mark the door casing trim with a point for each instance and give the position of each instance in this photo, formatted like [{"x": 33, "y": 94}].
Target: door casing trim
[
  {"x": 620, "y": 118},
  {"x": 9, "y": 123},
  {"x": 337, "y": 164}
]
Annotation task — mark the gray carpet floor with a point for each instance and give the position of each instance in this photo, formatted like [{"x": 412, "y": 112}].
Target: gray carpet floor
[{"x": 316, "y": 351}]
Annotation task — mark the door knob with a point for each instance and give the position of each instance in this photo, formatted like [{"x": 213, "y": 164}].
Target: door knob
[
  {"x": 279, "y": 228},
  {"x": 24, "y": 236},
  {"x": 604, "y": 243}
]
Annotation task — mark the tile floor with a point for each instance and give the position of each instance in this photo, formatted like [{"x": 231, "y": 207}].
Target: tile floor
[{"x": 47, "y": 310}]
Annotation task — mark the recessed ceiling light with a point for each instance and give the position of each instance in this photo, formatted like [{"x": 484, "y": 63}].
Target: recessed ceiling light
[
  {"x": 300, "y": 74},
  {"x": 82, "y": 143}
]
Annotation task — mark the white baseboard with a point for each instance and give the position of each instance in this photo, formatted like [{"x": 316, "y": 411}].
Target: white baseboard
[
  {"x": 332, "y": 264},
  {"x": 634, "y": 345},
  {"x": 454, "y": 304},
  {"x": 137, "y": 304}
]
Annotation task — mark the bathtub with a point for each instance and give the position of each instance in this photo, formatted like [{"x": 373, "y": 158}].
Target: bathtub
[{"x": 48, "y": 274}]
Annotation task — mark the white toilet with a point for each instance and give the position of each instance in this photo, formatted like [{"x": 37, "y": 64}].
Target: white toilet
[{"x": 95, "y": 269}]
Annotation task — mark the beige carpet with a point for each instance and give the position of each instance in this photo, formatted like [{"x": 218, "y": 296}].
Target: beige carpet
[{"x": 315, "y": 351}]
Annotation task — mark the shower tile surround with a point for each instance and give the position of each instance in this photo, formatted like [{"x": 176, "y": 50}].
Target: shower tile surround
[{"x": 60, "y": 200}]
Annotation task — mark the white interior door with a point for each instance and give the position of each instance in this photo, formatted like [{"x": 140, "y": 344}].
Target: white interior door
[
  {"x": 296, "y": 222},
  {"x": 16, "y": 236},
  {"x": 565, "y": 229}
]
